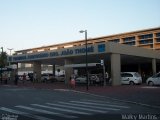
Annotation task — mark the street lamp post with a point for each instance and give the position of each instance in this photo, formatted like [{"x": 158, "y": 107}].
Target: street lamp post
[
  {"x": 10, "y": 49},
  {"x": 85, "y": 31}
]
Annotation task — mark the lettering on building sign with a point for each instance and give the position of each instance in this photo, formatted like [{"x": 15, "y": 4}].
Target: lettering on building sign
[
  {"x": 40, "y": 55},
  {"x": 83, "y": 50},
  {"x": 77, "y": 51},
  {"x": 67, "y": 52},
  {"x": 54, "y": 54}
]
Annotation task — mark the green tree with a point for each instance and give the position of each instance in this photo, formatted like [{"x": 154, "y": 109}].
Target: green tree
[{"x": 3, "y": 59}]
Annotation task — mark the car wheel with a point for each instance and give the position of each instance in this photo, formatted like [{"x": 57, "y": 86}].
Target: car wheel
[
  {"x": 150, "y": 83},
  {"x": 131, "y": 83}
]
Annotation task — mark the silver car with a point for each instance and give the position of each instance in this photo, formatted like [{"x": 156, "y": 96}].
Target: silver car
[
  {"x": 154, "y": 80},
  {"x": 131, "y": 78},
  {"x": 81, "y": 79}
]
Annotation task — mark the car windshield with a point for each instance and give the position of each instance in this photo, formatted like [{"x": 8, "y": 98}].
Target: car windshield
[
  {"x": 156, "y": 75},
  {"x": 137, "y": 75}
]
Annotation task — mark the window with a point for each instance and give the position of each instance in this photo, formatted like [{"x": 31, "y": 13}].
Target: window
[
  {"x": 126, "y": 75},
  {"x": 157, "y": 34},
  {"x": 130, "y": 43},
  {"x": 146, "y": 41},
  {"x": 115, "y": 40},
  {"x": 158, "y": 39},
  {"x": 128, "y": 39},
  {"x": 146, "y": 36},
  {"x": 156, "y": 75},
  {"x": 137, "y": 75}
]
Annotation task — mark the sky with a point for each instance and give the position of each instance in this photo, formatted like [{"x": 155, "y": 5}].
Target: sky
[{"x": 28, "y": 24}]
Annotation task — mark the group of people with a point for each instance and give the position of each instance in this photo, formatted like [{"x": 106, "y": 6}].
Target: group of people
[
  {"x": 4, "y": 77},
  {"x": 32, "y": 77}
]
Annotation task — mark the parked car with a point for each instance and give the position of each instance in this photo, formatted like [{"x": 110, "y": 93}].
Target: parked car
[
  {"x": 131, "y": 78},
  {"x": 46, "y": 77},
  {"x": 93, "y": 79},
  {"x": 21, "y": 77},
  {"x": 81, "y": 79},
  {"x": 154, "y": 80}
]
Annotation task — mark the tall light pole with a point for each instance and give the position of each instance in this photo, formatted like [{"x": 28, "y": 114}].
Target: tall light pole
[
  {"x": 85, "y": 31},
  {"x": 10, "y": 49}
]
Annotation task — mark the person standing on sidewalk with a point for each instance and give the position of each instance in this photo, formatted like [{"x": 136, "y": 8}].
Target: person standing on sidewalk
[
  {"x": 34, "y": 77},
  {"x": 16, "y": 79},
  {"x": 24, "y": 78},
  {"x": 72, "y": 81}
]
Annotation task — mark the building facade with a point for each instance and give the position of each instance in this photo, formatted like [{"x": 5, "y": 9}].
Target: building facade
[{"x": 138, "y": 47}]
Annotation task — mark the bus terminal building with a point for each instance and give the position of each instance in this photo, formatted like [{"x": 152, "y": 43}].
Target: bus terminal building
[{"x": 137, "y": 51}]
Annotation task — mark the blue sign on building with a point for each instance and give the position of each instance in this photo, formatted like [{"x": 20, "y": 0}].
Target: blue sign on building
[{"x": 101, "y": 48}]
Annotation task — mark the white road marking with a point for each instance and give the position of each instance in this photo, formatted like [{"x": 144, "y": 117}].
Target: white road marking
[
  {"x": 46, "y": 111},
  {"x": 150, "y": 87},
  {"x": 100, "y": 101},
  {"x": 119, "y": 106},
  {"x": 24, "y": 114},
  {"x": 89, "y": 106},
  {"x": 61, "y": 109},
  {"x": 74, "y": 107}
]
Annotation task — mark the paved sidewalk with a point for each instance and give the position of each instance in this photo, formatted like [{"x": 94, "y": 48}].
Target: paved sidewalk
[{"x": 137, "y": 94}]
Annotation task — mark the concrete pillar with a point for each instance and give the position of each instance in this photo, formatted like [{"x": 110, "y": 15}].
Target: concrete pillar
[
  {"x": 154, "y": 66},
  {"x": 54, "y": 69},
  {"x": 115, "y": 69},
  {"x": 68, "y": 71},
  {"x": 37, "y": 70}
]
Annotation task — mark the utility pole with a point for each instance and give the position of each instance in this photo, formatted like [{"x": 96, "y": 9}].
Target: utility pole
[{"x": 87, "y": 76}]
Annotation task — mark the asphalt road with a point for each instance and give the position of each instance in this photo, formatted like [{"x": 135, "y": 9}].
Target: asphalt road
[{"x": 64, "y": 104}]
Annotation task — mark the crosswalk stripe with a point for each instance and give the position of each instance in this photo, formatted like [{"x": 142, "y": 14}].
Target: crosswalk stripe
[
  {"x": 99, "y": 101},
  {"x": 46, "y": 112},
  {"x": 74, "y": 107},
  {"x": 102, "y": 108},
  {"x": 61, "y": 109},
  {"x": 119, "y": 106},
  {"x": 24, "y": 114}
]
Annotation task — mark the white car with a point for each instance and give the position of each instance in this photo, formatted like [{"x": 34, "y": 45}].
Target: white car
[
  {"x": 154, "y": 80},
  {"x": 46, "y": 77},
  {"x": 81, "y": 79},
  {"x": 93, "y": 78},
  {"x": 131, "y": 78}
]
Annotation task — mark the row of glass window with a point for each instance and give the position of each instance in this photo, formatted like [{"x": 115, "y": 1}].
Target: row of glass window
[
  {"x": 115, "y": 40},
  {"x": 146, "y": 36},
  {"x": 146, "y": 41},
  {"x": 129, "y": 39},
  {"x": 130, "y": 43}
]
